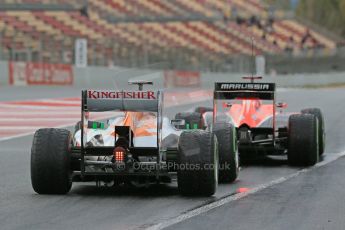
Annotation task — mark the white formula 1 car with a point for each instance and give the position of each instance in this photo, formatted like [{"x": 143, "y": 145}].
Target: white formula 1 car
[{"x": 137, "y": 145}]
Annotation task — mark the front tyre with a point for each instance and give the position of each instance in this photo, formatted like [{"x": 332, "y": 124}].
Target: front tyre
[
  {"x": 51, "y": 161},
  {"x": 228, "y": 152},
  {"x": 192, "y": 120}
]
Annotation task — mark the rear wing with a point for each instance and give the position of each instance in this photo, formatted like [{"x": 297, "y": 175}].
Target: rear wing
[
  {"x": 136, "y": 101},
  {"x": 228, "y": 90},
  {"x": 125, "y": 101},
  {"x": 131, "y": 101},
  {"x": 231, "y": 91}
]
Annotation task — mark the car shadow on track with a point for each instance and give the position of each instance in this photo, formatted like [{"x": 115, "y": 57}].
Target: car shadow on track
[
  {"x": 271, "y": 161},
  {"x": 156, "y": 190},
  {"x": 264, "y": 162}
]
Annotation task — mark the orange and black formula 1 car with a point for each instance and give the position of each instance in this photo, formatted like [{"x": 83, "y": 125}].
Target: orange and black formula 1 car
[{"x": 261, "y": 130}]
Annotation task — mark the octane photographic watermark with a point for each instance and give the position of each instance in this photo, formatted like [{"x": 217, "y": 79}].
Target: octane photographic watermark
[{"x": 173, "y": 166}]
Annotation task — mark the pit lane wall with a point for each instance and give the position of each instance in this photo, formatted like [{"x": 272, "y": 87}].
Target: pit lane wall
[
  {"x": 39, "y": 73},
  {"x": 117, "y": 77}
]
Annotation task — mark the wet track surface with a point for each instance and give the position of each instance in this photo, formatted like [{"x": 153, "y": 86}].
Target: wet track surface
[{"x": 312, "y": 200}]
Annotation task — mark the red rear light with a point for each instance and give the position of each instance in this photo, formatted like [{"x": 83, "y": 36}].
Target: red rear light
[
  {"x": 119, "y": 154},
  {"x": 242, "y": 190}
]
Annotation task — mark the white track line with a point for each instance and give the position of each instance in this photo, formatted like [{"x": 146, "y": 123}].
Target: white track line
[
  {"x": 195, "y": 212},
  {"x": 34, "y": 128},
  {"x": 10, "y": 113},
  {"x": 17, "y": 127},
  {"x": 59, "y": 102},
  {"x": 53, "y": 107},
  {"x": 58, "y": 111},
  {"x": 16, "y": 136},
  {"x": 57, "y": 119},
  {"x": 29, "y": 133}
]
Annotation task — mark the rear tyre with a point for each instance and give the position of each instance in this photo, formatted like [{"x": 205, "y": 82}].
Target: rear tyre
[
  {"x": 228, "y": 152},
  {"x": 303, "y": 140},
  {"x": 321, "y": 122},
  {"x": 198, "y": 163},
  {"x": 51, "y": 161},
  {"x": 192, "y": 120}
]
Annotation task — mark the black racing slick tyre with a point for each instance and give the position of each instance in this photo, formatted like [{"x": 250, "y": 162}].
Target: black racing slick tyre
[
  {"x": 202, "y": 110},
  {"x": 51, "y": 161},
  {"x": 197, "y": 174},
  {"x": 321, "y": 122},
  {"x": 228, "y": 152},
  {"x": 303, "y": 140},
  {"x": 192, "y": 120}
]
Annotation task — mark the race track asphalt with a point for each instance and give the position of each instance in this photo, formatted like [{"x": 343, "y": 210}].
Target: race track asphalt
[{"x": 311, "y": 200}]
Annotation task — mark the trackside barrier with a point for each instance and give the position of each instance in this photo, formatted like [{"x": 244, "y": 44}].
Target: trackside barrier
[
  {"x": 32, "y": 73},
  {"x": 176, "y": 78},
  {"x": 117, "y": 78}
]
